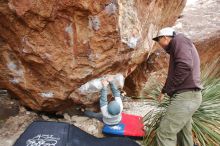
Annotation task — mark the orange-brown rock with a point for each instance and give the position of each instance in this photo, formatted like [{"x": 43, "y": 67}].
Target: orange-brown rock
[
  {"x": 156, "y": 62},
  {"x": 209, "y": 49},
  {"x": 49, "y": 48},
  {"x": 200, "y": 22}
]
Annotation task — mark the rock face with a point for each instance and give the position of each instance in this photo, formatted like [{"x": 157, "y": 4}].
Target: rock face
[
  {"x": 200, "y": 22},
  {"x": 156, "y": 62},
  {"x": 48, "y": 49}
]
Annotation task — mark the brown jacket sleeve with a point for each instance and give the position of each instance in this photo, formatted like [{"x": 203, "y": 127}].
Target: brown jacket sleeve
[{"x": 183, "y": 62}]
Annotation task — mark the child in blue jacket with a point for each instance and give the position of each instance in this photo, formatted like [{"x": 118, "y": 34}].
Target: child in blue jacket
[{"x": 110, "y": 111}]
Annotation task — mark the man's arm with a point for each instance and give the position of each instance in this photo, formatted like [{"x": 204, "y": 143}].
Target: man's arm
[
  {"x": 183, "y": 61},
  {"x": 116, "y": 94},
  {"x": 103, "y": 97},
  {"x": 104, "y": 100},
  {"x": 115, "y": 91}
]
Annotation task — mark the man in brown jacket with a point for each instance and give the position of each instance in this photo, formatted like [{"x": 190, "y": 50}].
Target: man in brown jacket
[{"x": 183, "y": 85}]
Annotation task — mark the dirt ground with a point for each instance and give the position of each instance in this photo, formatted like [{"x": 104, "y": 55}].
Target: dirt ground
[{"x": 14, "y": 125}]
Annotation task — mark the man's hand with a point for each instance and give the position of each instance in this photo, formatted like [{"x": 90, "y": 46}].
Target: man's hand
[
  {"x": 160, "y": 97},
  {"x": 109, "y": 78},
  {"x": 105, "y": 83}
]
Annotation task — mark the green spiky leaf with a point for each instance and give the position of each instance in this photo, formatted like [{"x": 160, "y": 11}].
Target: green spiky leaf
[{"x": 206, "y": 120}]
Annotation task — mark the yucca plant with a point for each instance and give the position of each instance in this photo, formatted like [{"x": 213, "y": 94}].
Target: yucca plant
[{"x": 206, "y": 120}]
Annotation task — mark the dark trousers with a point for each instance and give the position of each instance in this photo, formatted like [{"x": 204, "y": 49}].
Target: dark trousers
[{"x": 95, "y": 115}]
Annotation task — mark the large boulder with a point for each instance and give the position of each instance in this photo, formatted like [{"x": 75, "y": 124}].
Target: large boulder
[
  {"x": 48, "y": 49},
  {"x": 200, "y": 22},
  {"x": 155, "y": 64}
]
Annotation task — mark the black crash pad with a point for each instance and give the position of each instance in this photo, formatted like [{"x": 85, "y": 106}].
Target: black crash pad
[{"x": 43, "y": 133}]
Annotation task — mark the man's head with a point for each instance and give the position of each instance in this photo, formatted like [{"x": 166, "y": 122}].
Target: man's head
[
  {"x": 114, "y": 108},
  {"x": 164, "y": 36}
]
